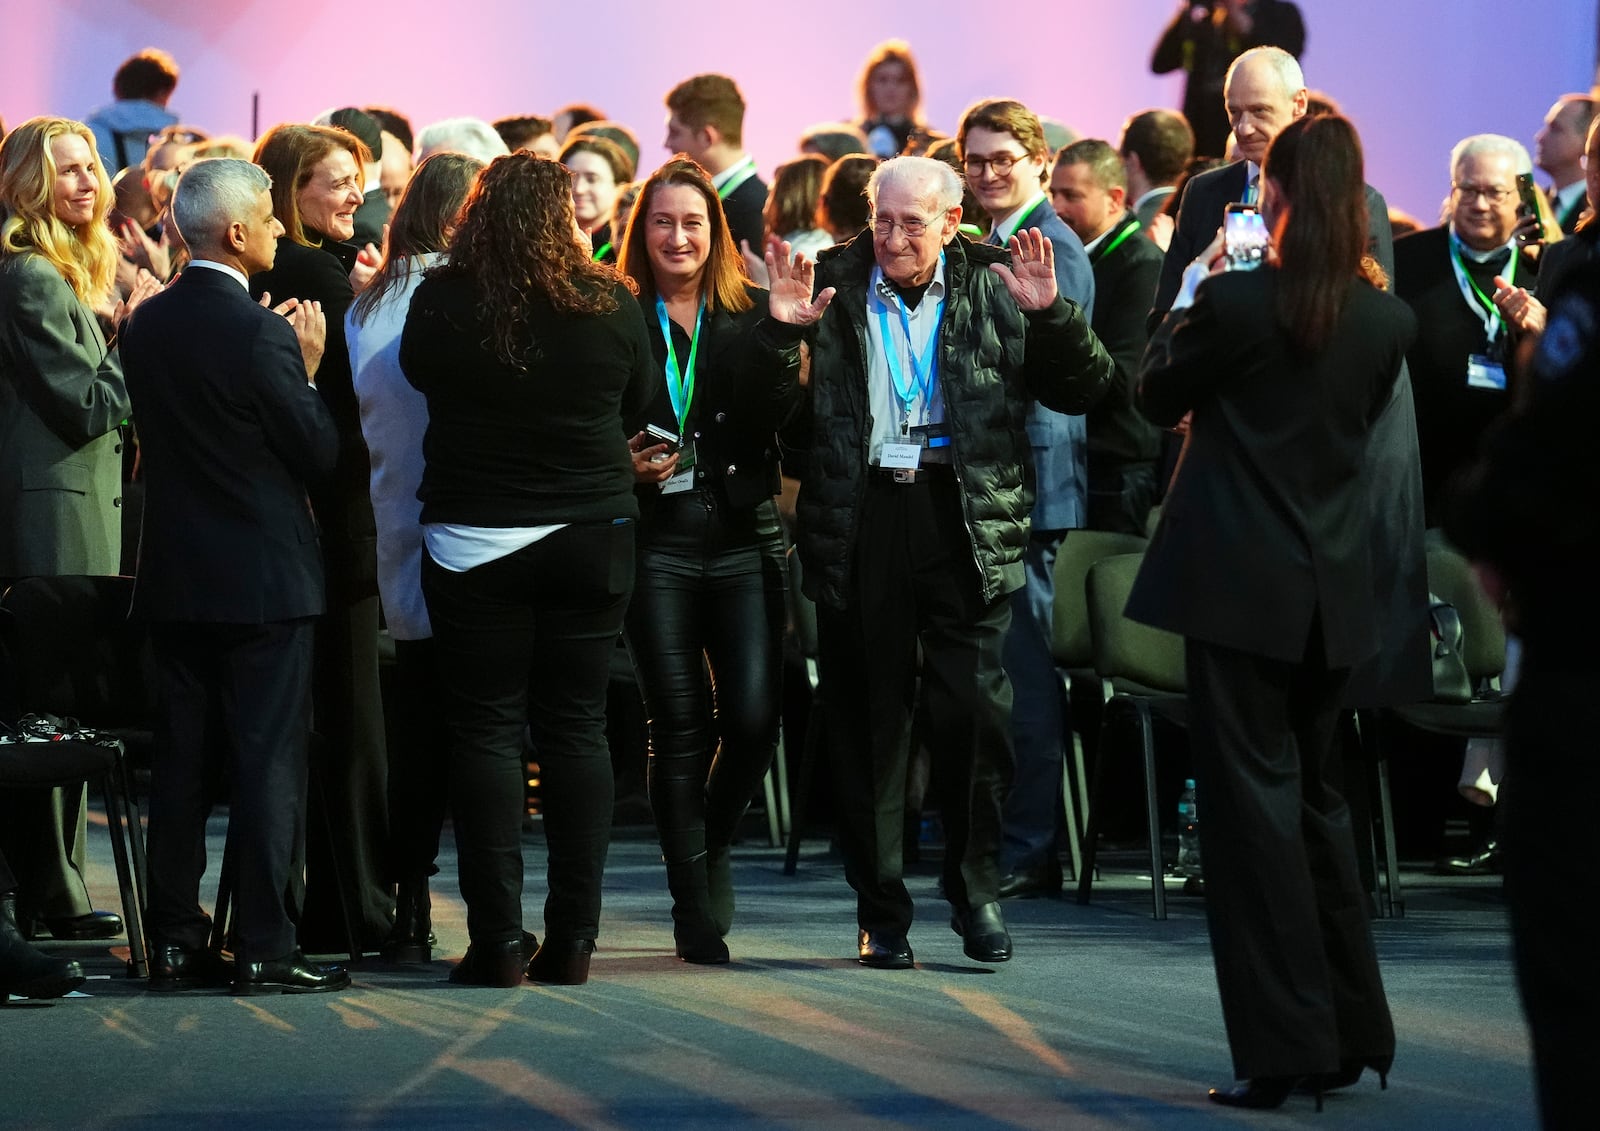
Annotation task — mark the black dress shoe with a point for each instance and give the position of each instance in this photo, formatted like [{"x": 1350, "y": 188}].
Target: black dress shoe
[
  {"x": 884, "y": 950},
  {"x": 1259, "y": 1094},
  {"x": 561, "y": 962},
  {"x": 174, "y": 967},
  {"x": 26, "y": 972},
  {"x": 410, "y": 941},
  {"x": 1041, "y": 879},
  {"x": 1485, "y": 862},
  {"x": 291, "y": 974},
  {"x": 983, "y": 932},
  {"x": 494, "y": 964},
  {"x": 94, "y": 925}
]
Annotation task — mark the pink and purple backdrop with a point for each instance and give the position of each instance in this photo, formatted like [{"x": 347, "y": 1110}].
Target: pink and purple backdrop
[{"x": 1415, "y": 77}]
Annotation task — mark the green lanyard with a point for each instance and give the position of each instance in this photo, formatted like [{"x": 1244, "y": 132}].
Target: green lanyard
[
  {"x": 680, "y": 384},
  {"x": 1022, "y": 214},
  {"x": 746, "y": 170},
  {"x": 601, "y": 251},
  {"x": 1469, "y": 286},
  {"x": 1127, "y": 230}
]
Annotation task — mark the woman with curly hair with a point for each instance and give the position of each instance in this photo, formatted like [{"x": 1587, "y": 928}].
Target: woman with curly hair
[{"x": 530, "y": 355}]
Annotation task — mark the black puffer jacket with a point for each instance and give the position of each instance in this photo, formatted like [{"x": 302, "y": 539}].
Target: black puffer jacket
[{"x": 993, "y": 359}]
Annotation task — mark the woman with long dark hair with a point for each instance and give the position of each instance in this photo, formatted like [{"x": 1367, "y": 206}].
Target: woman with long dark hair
[
  {"x": 710, "y": 594},
  {"x": 394, "y": 418},
  {"x": 1262, "y": 561},
  {"x": 530, "y": 355}
]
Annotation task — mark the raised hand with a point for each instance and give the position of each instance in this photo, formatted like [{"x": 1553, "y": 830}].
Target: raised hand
[
  {"x": 1031, "y": 277},
  {"x": 792, "y": 277},
  {"x": 144, "y": 286}
]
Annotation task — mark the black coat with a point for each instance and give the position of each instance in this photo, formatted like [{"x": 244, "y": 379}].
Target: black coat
[
  {"x": 743, "y": 208},
  {"x": 1268, "y": 523},
  {"x": 993, "y": 360},
  {"x": 1451, "y": 415},
  {"x": 747, "y": 371},
  {"x": 230, "y": 435},
  {"x": 343, "y": 503},
  {"x": 1124, "y": 286}
]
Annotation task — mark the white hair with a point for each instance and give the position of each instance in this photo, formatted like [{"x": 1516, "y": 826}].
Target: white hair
[
  {"x": 214, "y": 193},
  {"x": 1283, "y": 66},
  {"x": 472, "y": 136},
  {"x": 922, "y": 176},
  {"x": 1489, "y": 145}
]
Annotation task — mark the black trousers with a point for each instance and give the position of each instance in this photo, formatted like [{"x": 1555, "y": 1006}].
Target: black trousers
[
  {"x": 243, "y": 691},
  {"x": 418, "y": 786},
  {"x": 915, "y": 584},
  {"x": 526, "y": 640},
  {"x": 8, "y": 878},
  {"x": 709, "y": 593},
  {"x": 1121, "y": 494},
  {"x": 1290, "y": 936},
  {"x": 1551, "y": 784}
]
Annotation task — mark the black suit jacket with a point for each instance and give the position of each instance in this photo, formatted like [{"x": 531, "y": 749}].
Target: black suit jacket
[
  {"x": 342, "y": 503},
  {"x": 1200, "y": 209},
  {"x": 231, "y": 433},
  {"x": 743, "y": 207},
  {"x": 1562, "y": 258},
  {"x": 1451, "y": 415},
  {"x": 1269, "y": 525},
  {"x": 1124, "y": 284}
]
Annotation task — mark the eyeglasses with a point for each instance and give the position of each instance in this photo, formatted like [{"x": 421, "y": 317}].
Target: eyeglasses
[
  {"x": 1491, "y": 194},
  {"x": 912, "y": 229},
  {"x": 1000, "y": 164}
]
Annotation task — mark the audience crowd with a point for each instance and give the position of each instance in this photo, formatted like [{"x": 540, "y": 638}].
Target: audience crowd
[{"x": 507, "y": 393}]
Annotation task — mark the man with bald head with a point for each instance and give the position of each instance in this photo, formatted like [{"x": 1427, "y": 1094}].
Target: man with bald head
[
  {"x": 1264, "y": 91},
  {"x": 1558, "y": 150},
  {"x": 926, "y": 351}
]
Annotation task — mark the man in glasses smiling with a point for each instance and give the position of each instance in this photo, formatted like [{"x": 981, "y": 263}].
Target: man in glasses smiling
[
  {"x": 926, "y": 353},
  {"x": 1007, "y": 160}
]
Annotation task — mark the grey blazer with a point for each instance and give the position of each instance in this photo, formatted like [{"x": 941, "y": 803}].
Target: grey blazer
[{"x": 62, "y": 399}]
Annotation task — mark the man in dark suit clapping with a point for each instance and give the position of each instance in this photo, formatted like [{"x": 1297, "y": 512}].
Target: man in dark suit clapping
[{"x": 229, "y": 576}]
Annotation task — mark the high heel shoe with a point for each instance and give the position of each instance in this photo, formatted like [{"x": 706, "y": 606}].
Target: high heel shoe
[
  {"x": 563, "y": 962},
  {"x": 494, "y": 964},
  {"x": 1262, "y": 1092},
  {"x": 1350, "y": 1073}
]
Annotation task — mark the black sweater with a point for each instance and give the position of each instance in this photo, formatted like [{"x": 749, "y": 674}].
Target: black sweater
[{"x": 511, "y": 448}]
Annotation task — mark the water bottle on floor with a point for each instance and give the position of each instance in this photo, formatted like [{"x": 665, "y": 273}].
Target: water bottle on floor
[{"x": 1188, "y": 832}]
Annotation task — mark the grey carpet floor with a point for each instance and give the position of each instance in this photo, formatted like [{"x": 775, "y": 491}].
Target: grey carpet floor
[{"x": 1105, "y": 1018}]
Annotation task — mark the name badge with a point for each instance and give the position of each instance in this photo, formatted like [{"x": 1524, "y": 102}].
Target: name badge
[
  {"x": 1484, "y": 372},
  {"x": 682, "y": 479},
  {"x": 900, "y": 456}
]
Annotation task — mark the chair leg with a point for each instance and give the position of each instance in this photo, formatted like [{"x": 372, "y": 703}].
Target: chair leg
[
  {"x": 1091, "y": 832},
  {"x": 219, "y": 915},
  {"x": 1152, "y": 816},
  {"x": 117, "y": 819},
  {"x": 346, "y": 915},
  {"x": 780, "y": 783},
  {"x": 802, "y": 797},
  {"x": 1072, "y": 783},
  {"x": 1391, "y": 854}
]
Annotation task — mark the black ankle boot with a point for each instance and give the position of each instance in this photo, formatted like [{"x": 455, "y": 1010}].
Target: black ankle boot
[
  {"x": 494, "y": 964},
  {"x": 693, "y": 928},
  {"x": 561, "y": 962},
  {"x": 410, "y": 939},
  {"x": 26, "y": 971},
  {"x": 719, "y": 884}
]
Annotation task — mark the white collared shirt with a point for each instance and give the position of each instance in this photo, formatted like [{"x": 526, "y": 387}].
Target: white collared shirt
[
  {"x": 1006, "y": 227},
  {"x": 226, "y": 269},
  {"x": 1162, "y": 191},
  {"x": 882, "y": 401},
  {"x": 744, "y": 167}
]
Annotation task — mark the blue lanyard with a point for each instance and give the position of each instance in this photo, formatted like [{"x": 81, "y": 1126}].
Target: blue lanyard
[
  {"x": 680, "y": 384},
  {"x": 923, "y": 369}
]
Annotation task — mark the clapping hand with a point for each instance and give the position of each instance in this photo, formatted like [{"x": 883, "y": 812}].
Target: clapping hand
[
  {"x": 367, "y": 263},
  {"x": 1031, "y": 277},
  {"x": 792, "y": 277},
  {"x": 143, "y": 287}
]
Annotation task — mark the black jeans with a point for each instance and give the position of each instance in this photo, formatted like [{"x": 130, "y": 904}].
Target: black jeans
[
  {"x": 526, "y": 640},
  {"x": 418, "y": 785},
  {"x": 710, "y": 594}
]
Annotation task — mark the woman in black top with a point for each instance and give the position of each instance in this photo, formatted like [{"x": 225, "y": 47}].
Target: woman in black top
[
  {"x": 1263, "y": 562},
  {"x": 530, "y": 355},
  {"x": 711, "y": 567},
  {"x": 316, "y": 189}
]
